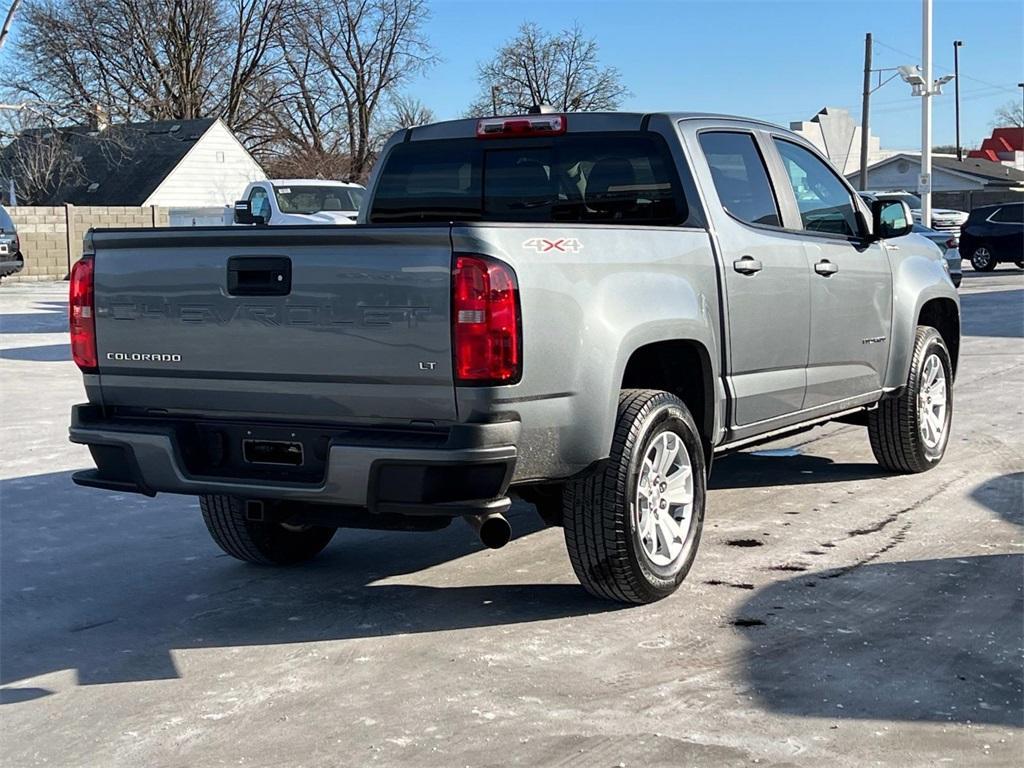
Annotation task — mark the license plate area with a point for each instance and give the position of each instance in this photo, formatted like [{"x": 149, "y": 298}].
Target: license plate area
[{"x": 278, "y": 453}]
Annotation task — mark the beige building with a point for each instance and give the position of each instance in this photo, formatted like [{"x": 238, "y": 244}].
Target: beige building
[{"x": 837, "y": 135}]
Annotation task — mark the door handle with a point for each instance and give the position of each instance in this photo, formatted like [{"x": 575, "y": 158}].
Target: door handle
[
  {"x": 826, "y": 268},
  {"x": 259, "y": 276},
  {"x": 748, "y": 265}
]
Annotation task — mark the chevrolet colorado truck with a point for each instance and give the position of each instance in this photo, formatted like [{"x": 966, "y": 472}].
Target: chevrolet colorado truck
[{"x": 580, "y": 310}]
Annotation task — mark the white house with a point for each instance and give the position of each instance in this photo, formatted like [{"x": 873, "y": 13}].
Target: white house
[{"x": 191, "y": 164}]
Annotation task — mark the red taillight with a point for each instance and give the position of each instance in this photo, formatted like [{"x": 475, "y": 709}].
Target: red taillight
[
  {"x": 485, "y": 322},
  {"x": 953, "y": 243},
  {"x": 518, "y": 127},
  {"x": 81, "y": 315}
]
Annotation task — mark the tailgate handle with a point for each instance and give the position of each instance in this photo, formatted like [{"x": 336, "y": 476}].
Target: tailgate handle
[{"x": 259, "y": 276}]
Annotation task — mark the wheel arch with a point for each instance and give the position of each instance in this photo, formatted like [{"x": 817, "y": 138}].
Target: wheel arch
[
  {"x": 684, "y": 368},
  {"x": 943, "y": 315}
]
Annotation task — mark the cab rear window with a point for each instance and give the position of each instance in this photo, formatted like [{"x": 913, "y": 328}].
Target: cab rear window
[{"x": 593, "y": 178}]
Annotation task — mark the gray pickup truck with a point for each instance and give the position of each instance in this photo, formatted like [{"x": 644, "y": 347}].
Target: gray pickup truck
[{"x": 579, "y": 310}]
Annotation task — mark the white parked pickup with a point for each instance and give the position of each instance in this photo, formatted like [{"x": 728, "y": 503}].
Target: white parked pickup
[{"x": 297, "y": 201}]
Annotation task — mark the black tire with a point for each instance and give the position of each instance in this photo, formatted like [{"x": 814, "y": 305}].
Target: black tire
[
  {"x": 598, "y": 511},
  {"x": 894, "y": 428},
  {"x": 263, "y": 542},
  {"x": 983, "y": 259}
]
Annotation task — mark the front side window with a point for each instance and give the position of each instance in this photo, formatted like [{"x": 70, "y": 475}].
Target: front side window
[
  {"x": 587, "y": 177},
  {"x": 824, "y": 202},
  {"x": 307, "y": 199},
  {"x": 740, "y": 177},
  {"x": 1009, "y": 214}
]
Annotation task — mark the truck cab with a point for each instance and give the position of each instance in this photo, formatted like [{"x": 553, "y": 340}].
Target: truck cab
[{"x": 297, "y": 202}]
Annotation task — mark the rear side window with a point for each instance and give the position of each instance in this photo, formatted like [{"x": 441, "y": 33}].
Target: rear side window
[
  {"x": 592, "y": 177},
  {"x": 1009, "y": 214},
  {"x": 824, "y": 202},
  {"x": 740, "y": 177},
  {"x": 6, "y": 224}
]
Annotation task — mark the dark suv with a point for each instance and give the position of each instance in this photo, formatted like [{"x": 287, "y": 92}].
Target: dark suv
[
  {"x": 994, "y": 233},
  {"x": 11, "y": 260}
]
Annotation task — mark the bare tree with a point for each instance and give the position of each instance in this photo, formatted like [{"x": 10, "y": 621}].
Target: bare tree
[
  {"x": 536, "y": 67},
  {"x": 406, "y": 112},
  {"x": 38, "y": 158},
  {"x": 145, "y": 59},
  {"x": 1010, "y": 115},
  {"x": 362, "y": 51}
]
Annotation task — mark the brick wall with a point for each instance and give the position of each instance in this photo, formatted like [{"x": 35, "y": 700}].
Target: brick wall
[{"x": 51, "y": 237}]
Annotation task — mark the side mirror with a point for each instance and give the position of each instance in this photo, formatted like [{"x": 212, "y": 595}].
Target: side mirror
[
  {"x": 890, "y": 218},
  {"x": 243, "y": 213}
]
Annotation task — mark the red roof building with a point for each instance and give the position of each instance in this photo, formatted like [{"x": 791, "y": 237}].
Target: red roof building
[{"x": 1005, "y": 145}]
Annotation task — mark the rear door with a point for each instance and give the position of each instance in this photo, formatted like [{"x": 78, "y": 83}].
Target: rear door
[
  {"x": 766, "y": 281},
  {"x": 319, "y": 323},
  {"x": 851, "y": 282}
]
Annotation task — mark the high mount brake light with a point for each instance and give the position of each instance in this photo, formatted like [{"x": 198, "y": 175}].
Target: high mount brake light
[
  {"x": 82, "y": 315},
  {"x": 519, "y": 127},
  {"x": 485, "y": 322}
]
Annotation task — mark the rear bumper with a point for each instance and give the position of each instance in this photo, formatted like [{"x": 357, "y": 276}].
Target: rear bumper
[
  {"x": 465, "y": 469},
  {"x": 11, "y": 263}
]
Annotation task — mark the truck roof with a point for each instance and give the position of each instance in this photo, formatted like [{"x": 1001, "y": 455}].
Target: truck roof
[
  {"x": 314, "y": 182},
  {"x": 585, "y": 121}
]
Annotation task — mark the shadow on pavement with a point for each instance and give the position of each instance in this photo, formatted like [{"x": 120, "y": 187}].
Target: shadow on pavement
[
  {"x": 1004, "y": 495},
  {"x": 52, "y": 318},
  {"x": 932, "y": 640},
  {"x": 762, "y": 469},
  {"x": 993, "y": 313},
  {"x": 108, "y": 585},
  {"x": 48, "y": 353}
]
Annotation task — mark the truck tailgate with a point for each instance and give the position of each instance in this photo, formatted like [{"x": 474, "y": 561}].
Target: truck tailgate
[{"x": 312, "y": 323}]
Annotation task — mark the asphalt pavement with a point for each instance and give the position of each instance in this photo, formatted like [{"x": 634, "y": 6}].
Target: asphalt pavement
[{"x": 837, "y": 615}]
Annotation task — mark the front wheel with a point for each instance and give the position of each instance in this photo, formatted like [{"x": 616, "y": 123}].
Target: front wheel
[
  {"x": 632, "y": 528},
  {"x": 909, "y": 433},
  {"x": 265, "y": 542},
  {"x": 983, "y": 260}
]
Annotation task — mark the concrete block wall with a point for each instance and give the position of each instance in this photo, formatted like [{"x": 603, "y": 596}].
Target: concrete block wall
[{"x": 51, "y": 236}]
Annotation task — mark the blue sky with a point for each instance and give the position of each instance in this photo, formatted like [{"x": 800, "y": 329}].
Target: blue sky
[{"x": 780, "y": 60}]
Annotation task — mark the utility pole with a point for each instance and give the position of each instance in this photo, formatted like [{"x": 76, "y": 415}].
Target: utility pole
[
  {"x": 865, "y": 112},
  {"x": 956, "y": 84},
  {"x": 925, "y": 182}
]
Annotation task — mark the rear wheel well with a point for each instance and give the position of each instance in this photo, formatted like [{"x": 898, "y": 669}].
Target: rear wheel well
[
  {"x": 682, "y": 368},
  {"x": 943, "y": 316}
]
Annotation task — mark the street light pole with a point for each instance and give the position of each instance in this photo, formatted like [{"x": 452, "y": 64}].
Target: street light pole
[
  {"x": 925, "y": 182},
  {"x": 956, "y": 84}
]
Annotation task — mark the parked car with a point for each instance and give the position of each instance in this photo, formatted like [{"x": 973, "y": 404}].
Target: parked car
[
  {"x": 950, "y": 247},
  {"x": 944, "y": 220},
  {"x": 581, "y": 310},
  {"x": 11, "y": 258},
  {"x": 298, "y": 201},
  {"x": 994, "y": 234}
]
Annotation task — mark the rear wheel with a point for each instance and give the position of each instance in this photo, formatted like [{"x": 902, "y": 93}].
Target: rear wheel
[
  {"x": 633, "y": 527},
  {"x": 265, "y": 542},
  {"x": 909, "y": 433},
  {"x": 983, "y": 260}
]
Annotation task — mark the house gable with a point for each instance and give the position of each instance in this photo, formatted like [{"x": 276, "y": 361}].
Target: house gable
[{"x": 213, "y": 173}]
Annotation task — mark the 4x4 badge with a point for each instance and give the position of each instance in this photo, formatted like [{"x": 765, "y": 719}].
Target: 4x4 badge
[{"x": 562, "y": 245}]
